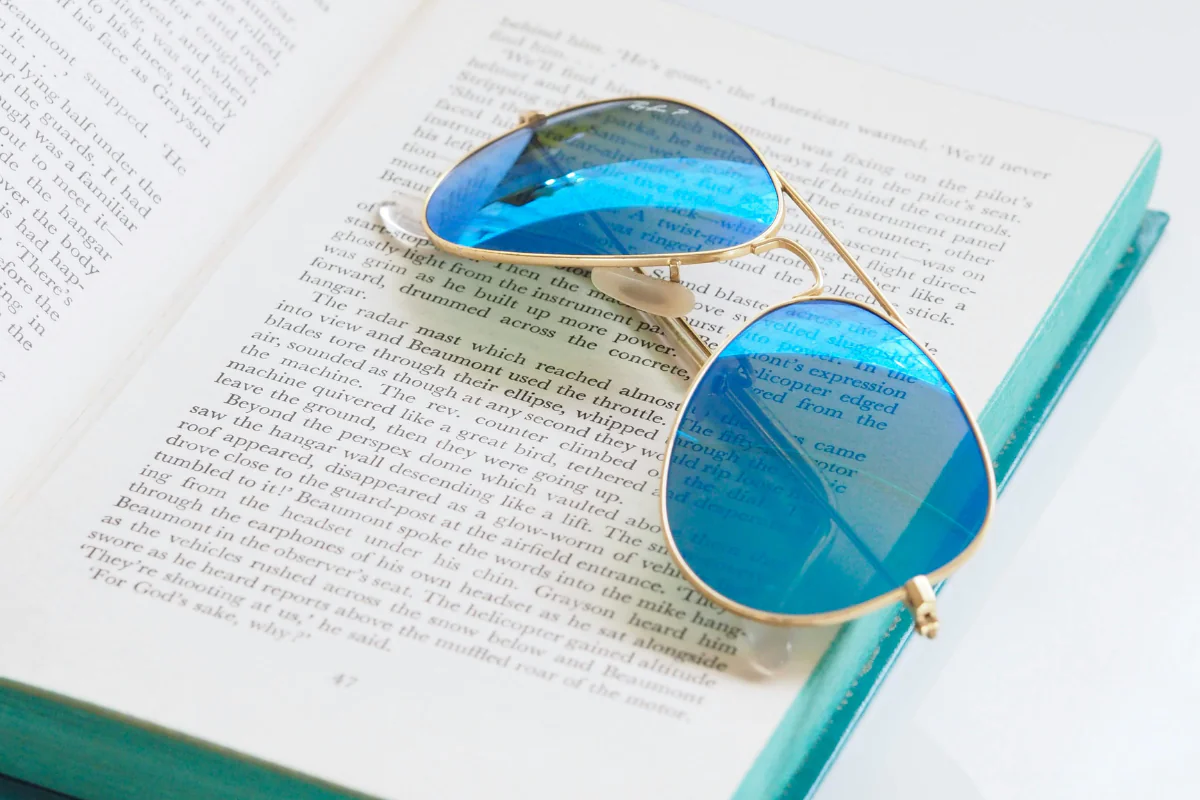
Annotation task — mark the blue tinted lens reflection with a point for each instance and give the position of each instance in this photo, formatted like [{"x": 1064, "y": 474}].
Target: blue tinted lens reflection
[
  {"x": 821, "y": 462},
  {"x": 627, "y": 177}
]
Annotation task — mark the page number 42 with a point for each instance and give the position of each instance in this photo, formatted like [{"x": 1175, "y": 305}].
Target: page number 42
[{"x": 344, "y": 681}]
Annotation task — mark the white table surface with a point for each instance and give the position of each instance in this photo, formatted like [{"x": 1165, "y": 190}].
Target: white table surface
[{"x": 1069, "y": 665}]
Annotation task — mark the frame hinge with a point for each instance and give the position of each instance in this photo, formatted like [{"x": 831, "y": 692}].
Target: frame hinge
[{"x": 922, "y": 604}]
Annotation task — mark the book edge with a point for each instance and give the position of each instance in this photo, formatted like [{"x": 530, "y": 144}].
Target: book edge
[
  {"x": 1155, "y": 222},
  {"x": 792, "y": 765},
  {"x": 875, "y": 657},
  {"x": 58, "y": 742}
]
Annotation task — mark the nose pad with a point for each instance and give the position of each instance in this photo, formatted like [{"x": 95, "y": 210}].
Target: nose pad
[
  {"x": 401, "y": 216},
  {"x": 644, "y": 292}
]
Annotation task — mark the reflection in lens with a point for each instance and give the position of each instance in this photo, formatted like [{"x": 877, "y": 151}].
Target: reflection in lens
[
  {"x": 822, "y": 461},
  {"x": 626, "y": 177}
]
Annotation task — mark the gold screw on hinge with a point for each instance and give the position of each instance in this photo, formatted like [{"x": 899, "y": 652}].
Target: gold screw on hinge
[
  {"x": 922, "y": 603},
  {"x": 531, "y": 118}
]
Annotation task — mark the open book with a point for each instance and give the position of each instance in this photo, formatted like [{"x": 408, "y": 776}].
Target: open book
[{"x": 292, "y": 509}]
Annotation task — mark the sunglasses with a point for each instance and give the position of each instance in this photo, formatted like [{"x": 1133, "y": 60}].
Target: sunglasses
[{"x": 822, "y": 466}]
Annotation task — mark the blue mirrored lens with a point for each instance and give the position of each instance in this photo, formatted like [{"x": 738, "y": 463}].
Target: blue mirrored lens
[
  {"x": 627, "y": 177},
  {"x": 822, "y": 461}
]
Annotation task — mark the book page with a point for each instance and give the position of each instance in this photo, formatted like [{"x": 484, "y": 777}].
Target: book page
[
  {"x": 132, "y": 137},
  {"x": 391, "y": 518}
]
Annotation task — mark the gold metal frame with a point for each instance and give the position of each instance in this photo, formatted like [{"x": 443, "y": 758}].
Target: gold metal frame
[{"x": 917, "y": 593}]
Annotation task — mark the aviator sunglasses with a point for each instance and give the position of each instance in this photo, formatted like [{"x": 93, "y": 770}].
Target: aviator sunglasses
[{"x": 822, "y": 465}]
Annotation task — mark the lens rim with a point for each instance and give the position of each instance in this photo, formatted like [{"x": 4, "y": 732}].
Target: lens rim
[
  {"x": 850, "y": 612},
  {"x": 652, "y": 260}
]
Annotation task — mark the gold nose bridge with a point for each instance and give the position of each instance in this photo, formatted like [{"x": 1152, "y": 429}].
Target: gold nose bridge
[{"x": 798, "y": 250}]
